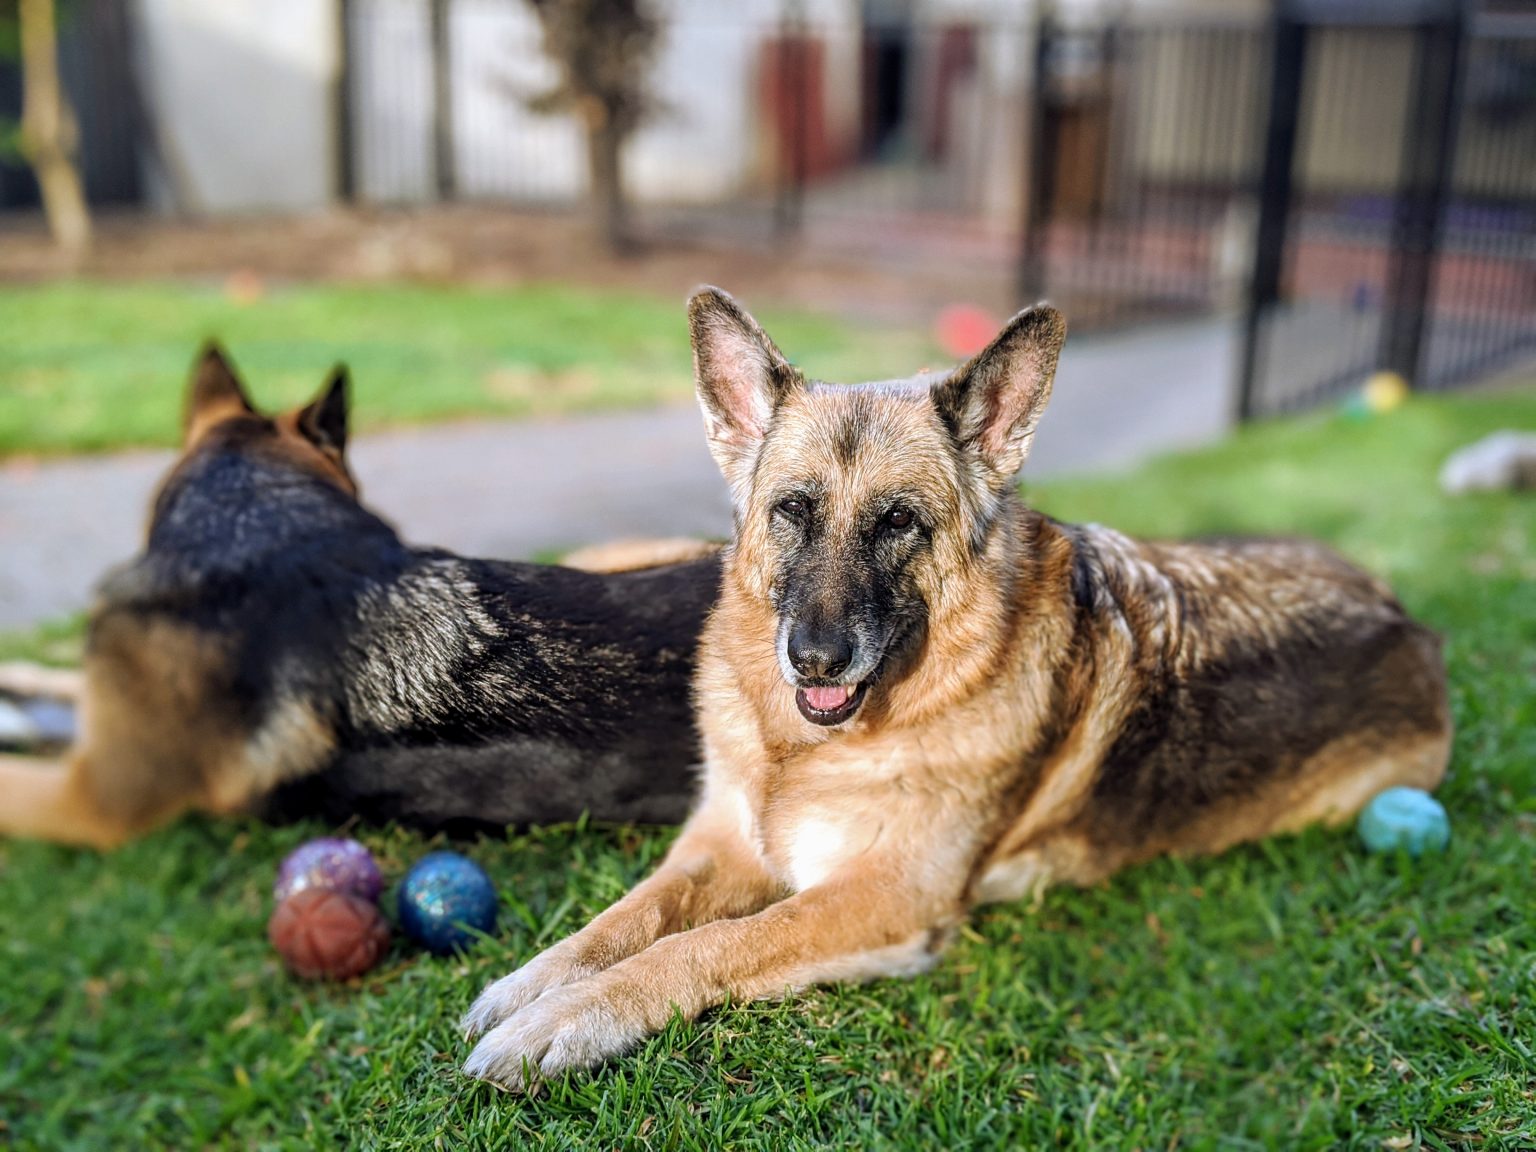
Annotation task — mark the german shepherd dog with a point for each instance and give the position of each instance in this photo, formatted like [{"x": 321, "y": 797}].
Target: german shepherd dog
[
  {"x": 916, "y": 695},
  {"x": 277, "y": 648}
]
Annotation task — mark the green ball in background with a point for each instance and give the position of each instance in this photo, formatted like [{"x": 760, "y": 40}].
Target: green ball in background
[{"x": 1407, "y": 818}]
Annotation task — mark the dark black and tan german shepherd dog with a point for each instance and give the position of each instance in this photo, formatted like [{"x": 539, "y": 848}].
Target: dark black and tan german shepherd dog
[
  {"x": 276, "y": 648},
  {"x": 917, "y": 695}
]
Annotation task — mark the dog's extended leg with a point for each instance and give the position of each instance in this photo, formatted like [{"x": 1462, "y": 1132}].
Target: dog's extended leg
[
  {"x": 22, "y": 678},
  {"x": 858, "y": 928},
  {"x": 711, "y": 872},
  {"x": 52, "y": 800}
]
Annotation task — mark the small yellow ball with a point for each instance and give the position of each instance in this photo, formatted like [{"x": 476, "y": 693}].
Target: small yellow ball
[{"x": 1385, "y": 391}]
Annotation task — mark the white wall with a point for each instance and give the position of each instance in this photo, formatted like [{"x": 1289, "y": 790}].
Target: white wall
[
  {"x": 241, "y": 93},
  {"x": 392, "y": 101},
  {"x": 704, "y": 143}
]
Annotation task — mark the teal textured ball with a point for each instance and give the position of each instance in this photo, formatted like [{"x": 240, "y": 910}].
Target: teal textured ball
[
  {"x": 444, "y": 901},
  {"x": 1405, "y": 818}
]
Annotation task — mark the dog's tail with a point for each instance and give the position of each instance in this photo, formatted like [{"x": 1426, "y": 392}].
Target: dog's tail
[{"x": 635, "y": 554}]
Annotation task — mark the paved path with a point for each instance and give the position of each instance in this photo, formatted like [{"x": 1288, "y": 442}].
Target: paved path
[{"x": 524, "y": 489}]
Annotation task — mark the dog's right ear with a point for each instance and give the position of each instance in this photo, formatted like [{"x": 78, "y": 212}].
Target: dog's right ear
[
  {"x": 214, "y": 394},
  {"x": 741, "y": 377}
]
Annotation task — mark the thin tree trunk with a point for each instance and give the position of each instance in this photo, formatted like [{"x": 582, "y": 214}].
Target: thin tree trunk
[
  {"x": 47, "y": 129},
  {"x": 609, "y": 205}
]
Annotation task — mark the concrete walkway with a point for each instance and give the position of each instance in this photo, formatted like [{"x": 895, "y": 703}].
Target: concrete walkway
[{"x": 521, "y": 490}]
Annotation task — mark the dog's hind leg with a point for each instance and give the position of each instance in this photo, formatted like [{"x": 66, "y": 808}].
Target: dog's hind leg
[
  {"x": 53, "y": 800},
  {"x": 21, "y": 678}
]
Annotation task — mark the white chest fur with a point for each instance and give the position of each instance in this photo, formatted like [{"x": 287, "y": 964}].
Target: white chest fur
[{"x": 815, "y": 847}]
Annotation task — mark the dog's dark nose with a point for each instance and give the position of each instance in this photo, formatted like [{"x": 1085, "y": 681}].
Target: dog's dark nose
[{"x": 818, "y": 650}]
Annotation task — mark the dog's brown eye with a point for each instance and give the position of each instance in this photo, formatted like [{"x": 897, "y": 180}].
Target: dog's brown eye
[
  {"x": 898, "y": 518},
  {"x": 793, "y": 507}
]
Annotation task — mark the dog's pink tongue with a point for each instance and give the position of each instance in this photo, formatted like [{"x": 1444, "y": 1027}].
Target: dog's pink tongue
[{"x": 828, "y": 699}]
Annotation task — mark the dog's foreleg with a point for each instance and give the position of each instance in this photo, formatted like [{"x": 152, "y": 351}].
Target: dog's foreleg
[
  {"x": 850, "y": 930},
  {"x": 52, "y": 800},
  {"x": 711, "y": 872}
]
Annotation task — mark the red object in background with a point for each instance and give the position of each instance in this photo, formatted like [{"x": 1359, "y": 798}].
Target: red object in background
[
  {"x": 331, "y": 935},
  {"x": 794, "y": 100},
  {"x": 955, "y": 64},
  {"x": 964, "y": 330}
]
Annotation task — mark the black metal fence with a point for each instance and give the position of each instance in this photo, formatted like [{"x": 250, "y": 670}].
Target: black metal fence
[
  {"x": 865, "y": 135},
  {"x": 1145, "y": 149},
  {"x": 95, "y": 66},
  {"x": 1396, "y": 226},
  {"x": 1355, "y": 180}
]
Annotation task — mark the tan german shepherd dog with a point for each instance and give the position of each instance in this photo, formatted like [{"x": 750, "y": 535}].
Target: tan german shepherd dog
[{"x": 916, "y": 695}]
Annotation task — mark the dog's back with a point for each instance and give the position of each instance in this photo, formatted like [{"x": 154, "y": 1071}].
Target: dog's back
[{"x": 485, "y": 693}]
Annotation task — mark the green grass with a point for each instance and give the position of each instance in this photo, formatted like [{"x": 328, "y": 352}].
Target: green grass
[
  {"x": 1293, "y": 994},
  {"x": 88, "y": 366}
]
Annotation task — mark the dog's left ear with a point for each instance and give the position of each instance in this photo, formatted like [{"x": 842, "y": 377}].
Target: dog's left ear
[
  {"x": 323, "y": 421},
  {"x": 993, "y": 404}
]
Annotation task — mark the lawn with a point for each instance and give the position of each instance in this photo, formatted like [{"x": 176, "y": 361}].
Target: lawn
[
  {"x": 89, "y": 366},
  {"x": 1294, "y": 994}
]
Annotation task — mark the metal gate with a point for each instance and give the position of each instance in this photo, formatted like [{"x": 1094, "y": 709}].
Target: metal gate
[
  {"x": 1145, "y": 149},
  {"x": 1397, "y": 201}
]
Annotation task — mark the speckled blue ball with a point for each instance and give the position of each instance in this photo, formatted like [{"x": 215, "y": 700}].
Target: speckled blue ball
[
  {"x": 444, "y": 896},
  {"x": 1405, "y": 818},
  {"x": 332, "y": 863}
]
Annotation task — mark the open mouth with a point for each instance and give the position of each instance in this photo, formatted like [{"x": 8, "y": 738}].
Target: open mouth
[{"x": 830, "y": 704}]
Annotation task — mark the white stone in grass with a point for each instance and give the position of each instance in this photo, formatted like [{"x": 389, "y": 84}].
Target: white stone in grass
[{"x": 1502, "y": 462}]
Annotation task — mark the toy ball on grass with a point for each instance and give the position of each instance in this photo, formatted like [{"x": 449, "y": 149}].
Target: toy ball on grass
[
  {"x": 1405, "y": 818},
  {"x": 330, "y": 863},
  {"x": 1385, "y": 391},
  {"x": 322, "y": 934},
  {"x": 964, "y": 330},
  {"x": 444, "y": 901}
]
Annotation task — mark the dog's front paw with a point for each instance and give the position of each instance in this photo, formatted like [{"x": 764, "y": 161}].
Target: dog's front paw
[
  {"x": 514, "y": 992},
  {"x": 570, "y": 1027}
]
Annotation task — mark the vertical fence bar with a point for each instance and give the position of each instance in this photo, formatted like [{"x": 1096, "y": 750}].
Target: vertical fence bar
[
  {"x": 1039, "y": 158},
  {"x": 343, "y": 143},
  {"x": 1288, "y": 53},
  {"x": 442, "y": 100},
  {"x": 1429, "y": 152},
  {"x": 790, "y": 86}
]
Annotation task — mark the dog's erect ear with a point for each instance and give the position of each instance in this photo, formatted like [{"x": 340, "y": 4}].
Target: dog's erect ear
[
  {"x": 741, "y": 378},
  {"x": 993, "y": 404},
  {"x": 215, "y": 392},
  {"x": 323, "y": 421}
]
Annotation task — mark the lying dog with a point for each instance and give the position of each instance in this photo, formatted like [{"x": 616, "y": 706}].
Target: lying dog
[
  {"x": 916, "y": 695},
  {"x": 277, "y": 648}
]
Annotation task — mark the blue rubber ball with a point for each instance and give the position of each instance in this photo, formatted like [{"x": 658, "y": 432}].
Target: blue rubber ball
[
  {"x": 444, "y": 900},
  {"x": 1405, "y": 818}
]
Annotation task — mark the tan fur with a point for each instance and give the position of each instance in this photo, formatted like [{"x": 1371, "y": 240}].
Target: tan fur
[
  {"x": 155, "y": 741},
  {"x": 976, "y": 771},
  {"x": 632, "y": 555}
]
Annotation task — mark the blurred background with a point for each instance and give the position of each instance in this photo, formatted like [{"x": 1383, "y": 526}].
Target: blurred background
[{"x": 493, "y": 209}]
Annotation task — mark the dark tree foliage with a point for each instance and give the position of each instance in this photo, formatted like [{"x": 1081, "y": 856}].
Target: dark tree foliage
[{"x": 604, "y": 50}]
